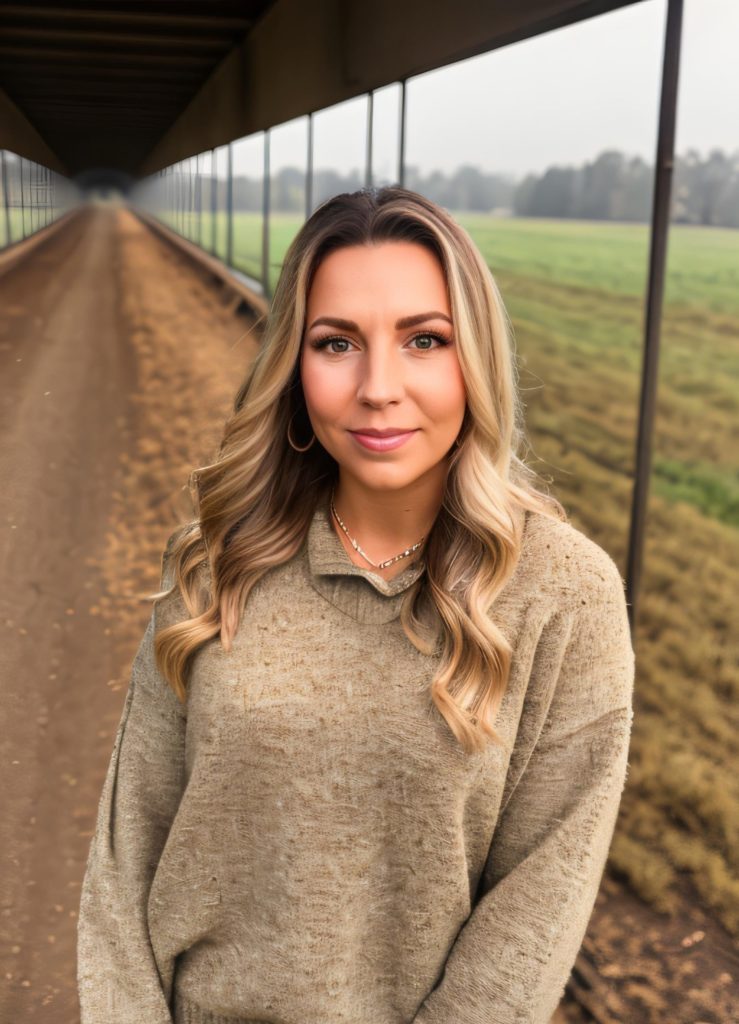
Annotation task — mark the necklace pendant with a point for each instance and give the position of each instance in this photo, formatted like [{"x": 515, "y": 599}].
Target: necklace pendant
[{"x": 355, "y": 545}]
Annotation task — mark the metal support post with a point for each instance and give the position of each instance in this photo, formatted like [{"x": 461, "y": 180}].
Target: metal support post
[
  {"x": 230, "y": 207},
  {"x": 401, "y": 146},
  {"x": 655, "y": 293},
  {"x": 309, "y": 170},
  {"x": 265, "y": 217},
  {"x": 370, "y": 116}
]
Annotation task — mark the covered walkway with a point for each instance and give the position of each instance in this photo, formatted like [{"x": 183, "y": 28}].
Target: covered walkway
[{"x": 119, "y": 362}]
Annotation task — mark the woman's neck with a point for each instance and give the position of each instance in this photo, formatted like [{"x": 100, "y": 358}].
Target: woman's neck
[{"x": 386, "y": 522}]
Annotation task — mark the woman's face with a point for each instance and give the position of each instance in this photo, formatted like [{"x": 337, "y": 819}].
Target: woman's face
[{"x": 391, "y": 364}]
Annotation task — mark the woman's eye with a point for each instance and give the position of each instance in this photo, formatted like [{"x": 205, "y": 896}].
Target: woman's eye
[
  {"x": 429, "y": 336},
  {"x": 325, "y": 342}
]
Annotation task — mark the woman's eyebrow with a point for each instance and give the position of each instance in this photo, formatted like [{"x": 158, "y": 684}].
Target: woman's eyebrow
[{"x": 406, "y": 321}]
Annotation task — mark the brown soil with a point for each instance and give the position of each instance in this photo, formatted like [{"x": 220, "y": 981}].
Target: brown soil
[
  {"x": 120, "y": 362},
  {"x": 640, "y": 967}
]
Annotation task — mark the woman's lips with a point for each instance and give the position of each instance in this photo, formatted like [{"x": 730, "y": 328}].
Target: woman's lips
[{"x": 382, "y": 444}]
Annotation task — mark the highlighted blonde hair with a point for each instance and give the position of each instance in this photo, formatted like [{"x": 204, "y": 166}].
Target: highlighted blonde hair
[{"x": 255, "y": 502}]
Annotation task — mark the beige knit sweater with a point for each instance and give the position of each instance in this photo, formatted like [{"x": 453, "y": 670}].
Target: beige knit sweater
[{"x": 305, "y": 842}]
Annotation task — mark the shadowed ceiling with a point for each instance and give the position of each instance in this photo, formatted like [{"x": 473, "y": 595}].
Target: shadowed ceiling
[
  {"x": 102, "y": 82},
  {"x": 133, "y": 87}
]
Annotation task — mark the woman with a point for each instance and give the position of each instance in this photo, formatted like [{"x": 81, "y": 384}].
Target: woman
[{"x": 376, "y": 735}]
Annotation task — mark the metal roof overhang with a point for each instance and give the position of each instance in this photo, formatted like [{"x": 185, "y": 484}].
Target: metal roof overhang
[{"x": 138, "y": 87}]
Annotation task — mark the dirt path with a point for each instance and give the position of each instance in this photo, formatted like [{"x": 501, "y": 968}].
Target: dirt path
[
  {"x": 119, "y": 363},
  {"x": 67, "y": 378},
  {"x": 105, "y": 338},
  {"x": 640, "y": 967}
]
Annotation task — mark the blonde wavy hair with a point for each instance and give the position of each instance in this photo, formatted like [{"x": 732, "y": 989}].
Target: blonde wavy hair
[{"x": 255, "y": 502}]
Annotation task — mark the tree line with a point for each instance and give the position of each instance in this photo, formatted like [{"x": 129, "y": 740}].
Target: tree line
[{"x": 705, "y": 190}]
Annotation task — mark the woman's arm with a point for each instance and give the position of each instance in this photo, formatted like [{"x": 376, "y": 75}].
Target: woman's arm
[
  {"x": 511, "y": 960},
  {"x": 118, "y": 979}
]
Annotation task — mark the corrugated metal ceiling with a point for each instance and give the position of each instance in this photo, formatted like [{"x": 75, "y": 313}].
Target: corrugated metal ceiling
[{"x": 102, "y": 82}]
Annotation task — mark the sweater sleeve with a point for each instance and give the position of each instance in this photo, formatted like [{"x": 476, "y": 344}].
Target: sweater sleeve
[
  {"x": 511, "y": 959},
  {"x": 119, "y": 981}
]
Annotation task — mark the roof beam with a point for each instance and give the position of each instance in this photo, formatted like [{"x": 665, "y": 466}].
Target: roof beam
[
  {"x": 19, "y": 136},
  {"x": 141, "y": 19},
  {"x": 85, "y": 71},
  {"x": 89, "y": 34},
  {"x": 102, "y": 57}
]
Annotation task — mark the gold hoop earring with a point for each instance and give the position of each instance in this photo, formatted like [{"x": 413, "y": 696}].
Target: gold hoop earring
[{"x": 290, "y": 440}]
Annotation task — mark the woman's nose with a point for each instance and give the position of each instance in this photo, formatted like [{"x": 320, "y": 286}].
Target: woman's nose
[{"x": 380, "y": 375}]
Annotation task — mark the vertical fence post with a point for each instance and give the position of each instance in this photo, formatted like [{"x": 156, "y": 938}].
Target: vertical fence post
[
  {"x": 265, "y": 217},
  {"x": 230, "y": 207},
  {"x": 193, "y": 200},
  {"x": 23, "y": 201},
  {"x": 31, "y": 197},
  {"x": 6, "y": 198},
  {"x": 35, "y": 197},
  {"x": 41, "y": 193},
  {"x": 309, "y": 170},
  {"x": 655, "y": 293},
  {"x": 401, "y": 145},
  {"x": 370, "y": 117},
  {"x": 213, "y": 202},
  {"x": 185, "y": 197},
  {"x": 199, "y": 198}
]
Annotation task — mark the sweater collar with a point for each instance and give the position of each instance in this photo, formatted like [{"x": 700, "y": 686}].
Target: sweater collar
[{"x": 361, "y": 593}]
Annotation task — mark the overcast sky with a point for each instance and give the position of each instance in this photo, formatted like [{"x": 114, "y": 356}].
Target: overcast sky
[{"x": 561, "y": 97}]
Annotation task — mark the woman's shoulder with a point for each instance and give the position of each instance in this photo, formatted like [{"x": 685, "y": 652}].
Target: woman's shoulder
[{"x": 565, "y": 563}]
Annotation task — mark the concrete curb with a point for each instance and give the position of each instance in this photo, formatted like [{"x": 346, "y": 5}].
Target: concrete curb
[
  {"x": 17, "y": 252},
  {"x": 245, "y": 298}
]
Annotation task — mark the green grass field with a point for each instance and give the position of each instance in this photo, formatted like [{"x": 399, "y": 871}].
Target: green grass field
[{"x": 575, "y": 293}]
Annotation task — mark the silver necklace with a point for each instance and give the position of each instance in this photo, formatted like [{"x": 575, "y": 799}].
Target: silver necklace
[{"x": 375, "y": 565}]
